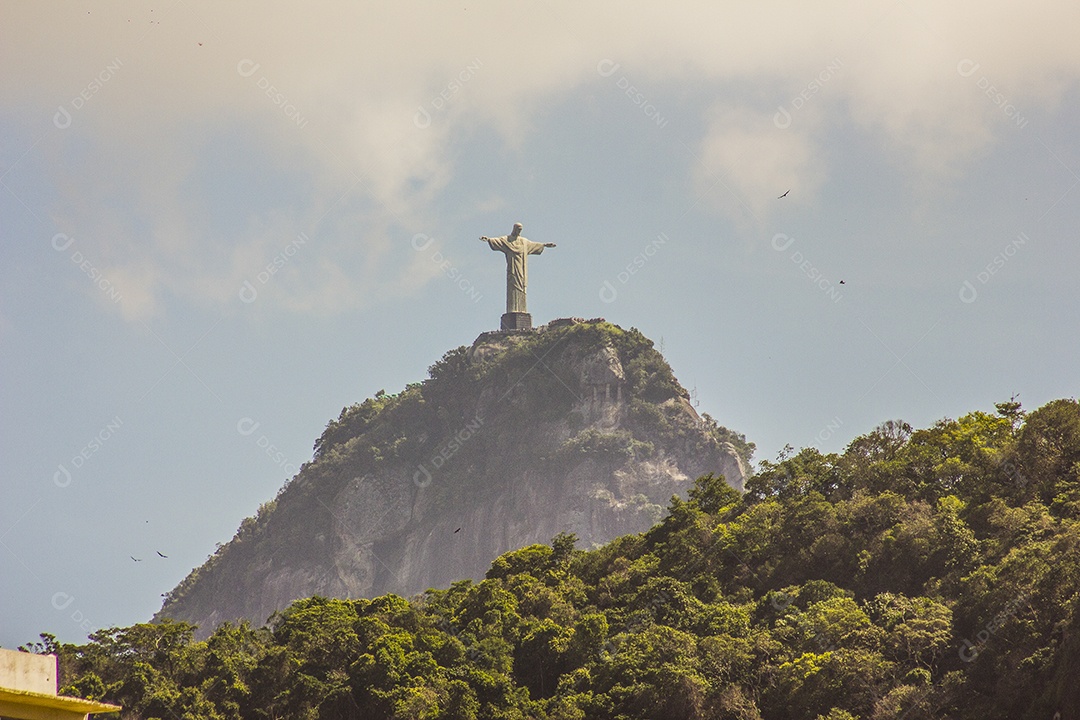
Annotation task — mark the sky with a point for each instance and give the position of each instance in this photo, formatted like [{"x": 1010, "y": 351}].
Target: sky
[{"x": 222, "y": 223}]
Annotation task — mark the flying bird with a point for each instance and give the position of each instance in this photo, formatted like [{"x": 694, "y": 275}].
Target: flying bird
[
  {"x": 165, "y": 556},
  {"x": 784, "y": 195},
  {"x": 842, "y": 282},
  {"x": 135, "y": 558},
  {"x": 456, "y": 531}
]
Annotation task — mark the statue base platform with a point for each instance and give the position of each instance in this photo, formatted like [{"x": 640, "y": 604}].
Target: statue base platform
[{"x": 516, "y": 321}]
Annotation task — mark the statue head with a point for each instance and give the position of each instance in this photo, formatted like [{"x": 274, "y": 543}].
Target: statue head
[{"x": 517, "y": 229}]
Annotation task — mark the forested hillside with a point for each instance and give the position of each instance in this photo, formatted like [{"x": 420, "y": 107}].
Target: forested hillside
[
  {"x": 921, "y": 574},
  {"x": 578, "y": 426}
]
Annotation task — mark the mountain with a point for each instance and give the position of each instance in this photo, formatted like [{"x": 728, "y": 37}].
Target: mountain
[{"x": 574, "y": 427}]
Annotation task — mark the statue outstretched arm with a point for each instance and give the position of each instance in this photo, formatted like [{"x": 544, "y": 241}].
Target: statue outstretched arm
[{"x": 495, "y": 243}]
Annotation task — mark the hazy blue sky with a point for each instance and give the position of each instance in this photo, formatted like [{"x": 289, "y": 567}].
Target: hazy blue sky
[{"x": 159, "y": 159}]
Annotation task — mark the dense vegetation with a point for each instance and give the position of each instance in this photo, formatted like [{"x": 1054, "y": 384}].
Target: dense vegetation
[
  {"x": 457, "y": 379},
  {"x": 920, "y": 574}
]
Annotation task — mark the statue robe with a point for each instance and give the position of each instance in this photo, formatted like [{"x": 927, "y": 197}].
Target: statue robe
[{"x": 517, "y": 277}]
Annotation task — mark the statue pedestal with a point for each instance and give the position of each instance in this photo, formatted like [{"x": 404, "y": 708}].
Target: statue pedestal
[{"x": 516, "y": 321}]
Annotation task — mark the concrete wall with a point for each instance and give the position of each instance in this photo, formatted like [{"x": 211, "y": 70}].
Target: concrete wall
[{"x": 28, "y": 672}]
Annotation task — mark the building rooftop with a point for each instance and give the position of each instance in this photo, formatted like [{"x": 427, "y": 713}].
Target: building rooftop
[{"x": 28, "y": 690}]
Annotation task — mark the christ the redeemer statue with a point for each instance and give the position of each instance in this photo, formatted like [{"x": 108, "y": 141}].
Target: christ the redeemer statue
[{"x": 516, "y": 249}]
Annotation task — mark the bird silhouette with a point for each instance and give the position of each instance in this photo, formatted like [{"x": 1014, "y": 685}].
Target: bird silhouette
[
  {"x": 456, "y": 531},
  {"x": 165, "y": 556},
  {"x": 842, "y": 282},
  {"x": 784, "y": 195},
  {"x": 135, "y": 558}
]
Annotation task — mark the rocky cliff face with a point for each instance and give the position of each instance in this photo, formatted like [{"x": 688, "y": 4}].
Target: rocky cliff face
[{"x": 574, "y": 427}]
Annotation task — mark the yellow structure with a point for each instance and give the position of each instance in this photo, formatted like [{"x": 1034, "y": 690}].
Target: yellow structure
[{"x": 28, "y": 690}]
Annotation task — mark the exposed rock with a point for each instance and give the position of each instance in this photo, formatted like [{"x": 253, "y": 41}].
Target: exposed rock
[{"x": 577, "y": 426}]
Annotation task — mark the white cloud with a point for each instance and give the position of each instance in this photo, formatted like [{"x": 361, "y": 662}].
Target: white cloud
[{"x": 348, "y": 80}]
